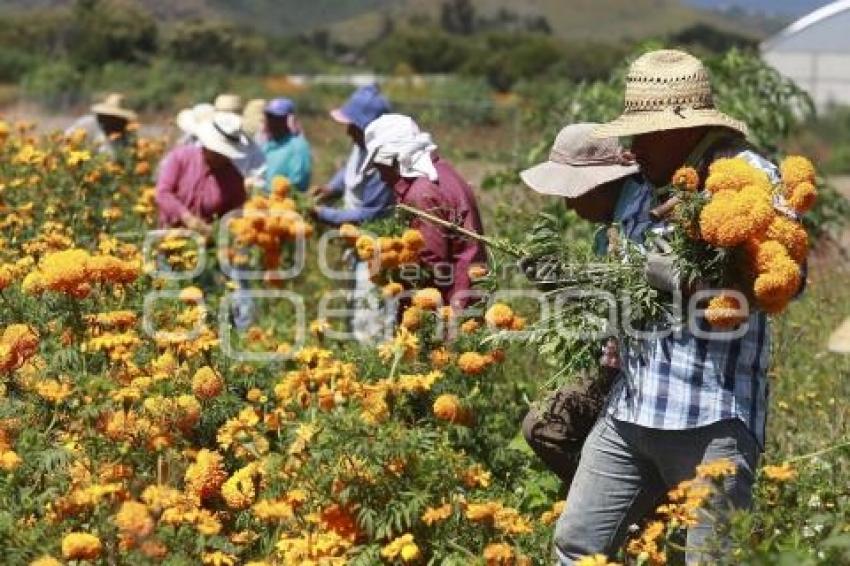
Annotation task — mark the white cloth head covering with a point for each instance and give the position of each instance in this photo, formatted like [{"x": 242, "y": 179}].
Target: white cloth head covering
[
  {"x": 189, "y": 119},
  {"x": 395, "y": 138}
]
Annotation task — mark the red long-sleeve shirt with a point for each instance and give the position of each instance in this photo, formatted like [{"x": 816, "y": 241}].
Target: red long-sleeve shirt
[{"x": 447, "y": 254}]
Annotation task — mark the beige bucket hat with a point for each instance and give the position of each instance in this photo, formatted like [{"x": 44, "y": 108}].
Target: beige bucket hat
[
  {"x": 228, "y": 102},
  {"x": 223, "y": 134},
  {"x": 579, "y": 162},
  {"x": 113, "y": 105},
  {"x": 667, "y": 90},
  {"x": 253, "y": 116}
]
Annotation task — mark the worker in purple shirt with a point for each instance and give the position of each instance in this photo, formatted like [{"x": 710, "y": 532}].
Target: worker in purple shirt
[{"x": 364, "y": 195}]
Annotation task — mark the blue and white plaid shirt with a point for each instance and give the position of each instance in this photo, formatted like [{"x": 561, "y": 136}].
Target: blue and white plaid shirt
[{"x": 681, "y": 381}]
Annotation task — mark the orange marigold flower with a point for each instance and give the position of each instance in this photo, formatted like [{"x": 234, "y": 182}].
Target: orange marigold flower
[
  {"x": 81, "y": 546},
  {"x": 781, "y": 473},
  {"x": 729, "y": 219},
  {"x": 207, "y": 383},
  {"x": 797, "y": 169},
  {"x": 365, "y": 246},
  {"x": 774, "y": 288},
  {"x": 725, "y": 312},
  {"x": 499, "y": 315},
  {"x": 802, "y": 197},
  {"x": 45, "y": 560},
  {"x": 763, "y": 254},
  {"x": 428, "y": 298},
  {"x": 206, "y": 474},
  {"x": 499, "y": 554},
  {"x": 433, "y": 515},
  {"x": 392, "y": 289},
  {"x": 733, "y": 174},
  {"x": 413, "y": 240},
  {"x": 686, "y": 178},
  {"x": 790, "y": 234},
  {"x": 470, "y": 326},
  {"x": 134, "y": 520},
  {"x": 473, "y": 363},
  {"x": 447, "y": 407},
  {"x": 717, "y": 469},
  {"x": 440, "y": 357},
  {"x": 477, "y": 271}
]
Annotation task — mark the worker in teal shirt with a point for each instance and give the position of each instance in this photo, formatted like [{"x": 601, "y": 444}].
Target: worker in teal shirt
[{"x": 287, "y": 150}]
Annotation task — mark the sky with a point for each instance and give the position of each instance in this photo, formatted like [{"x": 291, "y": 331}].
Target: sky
[{"x": 790, "y": 8}]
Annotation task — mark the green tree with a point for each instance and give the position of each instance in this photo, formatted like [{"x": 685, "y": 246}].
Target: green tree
[{"x": 111, "y": 30}]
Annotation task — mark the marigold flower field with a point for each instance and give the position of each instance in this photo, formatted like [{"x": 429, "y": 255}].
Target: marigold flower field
[{"x": 122, "y": 446}]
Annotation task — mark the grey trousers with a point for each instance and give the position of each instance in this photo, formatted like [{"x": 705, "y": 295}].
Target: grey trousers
[{"x": 625, "y": 472}]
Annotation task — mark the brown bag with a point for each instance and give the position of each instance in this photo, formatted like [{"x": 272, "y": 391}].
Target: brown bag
[{"x": 556, "y": 430}]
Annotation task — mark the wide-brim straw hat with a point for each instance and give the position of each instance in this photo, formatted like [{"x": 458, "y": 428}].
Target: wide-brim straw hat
[
  {"x": 113, "y": 105},
  {"x": 228, "y": 102},
  {"x": 189, "y": 119},
  {"x": 667, "y": 90},
  {"x": 578, "y": 163},
  {"x": 223, "y": 134}
]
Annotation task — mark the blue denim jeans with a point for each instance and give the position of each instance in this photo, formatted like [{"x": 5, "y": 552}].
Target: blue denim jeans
[{"x": 625, "y": 472}]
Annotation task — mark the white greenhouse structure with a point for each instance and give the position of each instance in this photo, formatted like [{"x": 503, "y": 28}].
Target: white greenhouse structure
[{"x": 814, "y": 52}]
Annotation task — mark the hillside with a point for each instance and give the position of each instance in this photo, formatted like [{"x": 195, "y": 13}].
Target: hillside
[{"x": 356, "y": 21}]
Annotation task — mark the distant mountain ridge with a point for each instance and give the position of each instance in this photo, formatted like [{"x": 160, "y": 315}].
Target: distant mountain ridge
[{"x": 356, "y": 21}]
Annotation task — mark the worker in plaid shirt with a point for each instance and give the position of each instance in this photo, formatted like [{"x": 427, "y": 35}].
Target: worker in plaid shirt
[{"x": 683, "y": 399}]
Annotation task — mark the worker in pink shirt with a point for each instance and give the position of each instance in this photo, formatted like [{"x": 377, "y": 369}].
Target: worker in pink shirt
[{"x": 407, "y": 161}]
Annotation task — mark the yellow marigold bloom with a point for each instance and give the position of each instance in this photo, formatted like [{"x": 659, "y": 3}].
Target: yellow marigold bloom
[
  {"x": 9, "y": 461},
  {"x": 549, "y": 517},
  {"x": 392, "y": 289},
  {"x": 280, "y": 187},
  {"x": 428, "y": 299},
  {"x": 733, "y": 174},
  {"x": 134, "y": 520},
  {"x": 411, "y": 318},
  {"x": 206, "y": 474},
  {"x": 433, "y": 515},
  {"x": 797, "y": 169},
  {"x": 717, "y": 469},
  {"x": 413, "y": 240},
  {"x": 109, "y": 269},
  {"x": 403, "y": 547},
  {"x": 319, "y": 326},
  {"x": 686, "y": 178},
  {"x": 595, "y": 560},
  {"x": 207, "y": 383},
  {"x": 33, "y": 283},
  {"x": 22, "y": 339},
  {"x": 802, "y": 197},
  {"x": 781, "y": 473},
  {"x": 724, "y": 312},
  {"x": 482, "y": 512},
  {"x": 499, "y": 315},
  {"x": 219, "y": 558},
  {"x": 447, "y": 407},
  {"x": 365, "y": 246},
  {"x": 238, "y": 491},
  {"x": 81, "y": 546},
  {"x": 45, "y": 560},
  {"x": 499, "y": 554},
  {"x": 790, "y": 234},
  {"x": 53, "y": 390},
  {"x": 473, "y": 363}
]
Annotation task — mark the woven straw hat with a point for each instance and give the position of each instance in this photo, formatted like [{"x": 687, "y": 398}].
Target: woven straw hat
[
  {"x": 228, "y": 102},
  {"x": 113, "y": 105},
  {"x": 579, "y": 163},
  {"x": 667, "y": 90},
  {"x": 223, "y": 134}
]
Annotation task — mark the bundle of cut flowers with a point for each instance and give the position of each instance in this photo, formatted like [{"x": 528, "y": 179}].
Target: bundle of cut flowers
[
  {"x": 744, "y": 233},
  {"x": 268, "y": 222}
]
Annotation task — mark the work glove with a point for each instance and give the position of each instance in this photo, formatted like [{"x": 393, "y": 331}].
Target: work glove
[{"x": 661, "y": 272}]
